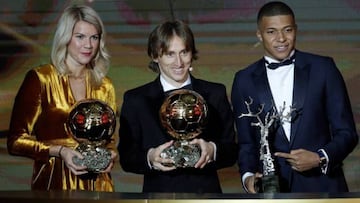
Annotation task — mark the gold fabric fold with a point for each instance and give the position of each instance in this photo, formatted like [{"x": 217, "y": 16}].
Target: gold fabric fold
[{"x": 38, "y": 121}]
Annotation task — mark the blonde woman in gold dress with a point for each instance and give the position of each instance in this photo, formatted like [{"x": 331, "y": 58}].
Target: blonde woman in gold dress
[{"x": 78, "y": 68}]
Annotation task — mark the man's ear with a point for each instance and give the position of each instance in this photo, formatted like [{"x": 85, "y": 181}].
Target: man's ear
[
  {"x": 156, "y": 60},
  {"x": 258, "y": 34}
]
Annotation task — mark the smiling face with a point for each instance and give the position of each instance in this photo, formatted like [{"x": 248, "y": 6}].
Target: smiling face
[
  {"x": 83, "y": 45},
  {"x": 278, "y": 35},
  {"x": 175, "y": 62}
]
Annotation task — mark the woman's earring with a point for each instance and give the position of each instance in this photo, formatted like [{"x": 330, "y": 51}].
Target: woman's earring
[{"x": 191, "y": 69}]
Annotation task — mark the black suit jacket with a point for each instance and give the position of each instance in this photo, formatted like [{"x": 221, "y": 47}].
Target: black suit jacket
[
  {"x": 323, "y": 120},
  {"x": 140, "y": 130}
]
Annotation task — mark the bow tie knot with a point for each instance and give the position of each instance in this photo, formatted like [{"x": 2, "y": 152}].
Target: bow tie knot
[{"x": 274, "y": 66}]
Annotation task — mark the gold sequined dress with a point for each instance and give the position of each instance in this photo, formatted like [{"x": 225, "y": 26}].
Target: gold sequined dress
[{"x": 40, "y": 111}]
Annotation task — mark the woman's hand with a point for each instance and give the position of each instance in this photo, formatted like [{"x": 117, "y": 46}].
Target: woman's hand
[
  {"x": 67, "y": 154},
  {"x": 114, "y": 155}
]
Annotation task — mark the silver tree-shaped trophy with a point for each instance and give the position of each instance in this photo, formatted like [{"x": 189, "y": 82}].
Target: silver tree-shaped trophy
[{"x": 270, "y": 180}]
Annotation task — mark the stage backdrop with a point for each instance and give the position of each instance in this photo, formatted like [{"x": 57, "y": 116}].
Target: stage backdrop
[{"x": 225, "y": 37}]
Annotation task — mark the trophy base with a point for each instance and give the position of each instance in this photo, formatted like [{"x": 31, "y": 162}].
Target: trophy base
[
  {"x": 96, "y": 158},
  {"x": 270, "y": 184},
  {"x": 183, "y": 154}
]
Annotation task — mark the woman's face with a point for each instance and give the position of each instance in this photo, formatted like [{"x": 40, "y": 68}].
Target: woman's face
[
  {"x": 83, "y": 45},
  {"x": 174, "y": 64}
]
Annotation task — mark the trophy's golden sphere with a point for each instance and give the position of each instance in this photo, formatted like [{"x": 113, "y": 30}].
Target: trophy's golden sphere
[
  {"x": 92, "y": 120},
  {"x": 184, "y": 114},
  {"x": 92, "y": 123}
]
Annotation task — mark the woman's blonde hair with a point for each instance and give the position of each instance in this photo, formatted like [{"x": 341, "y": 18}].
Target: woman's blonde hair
[{"x": 99, "y": 66}]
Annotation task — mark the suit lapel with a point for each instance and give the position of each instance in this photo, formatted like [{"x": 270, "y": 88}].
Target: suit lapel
[
  {"x": 156, "y": 94},
  {"x": 262, "y": 86},
  {"x": 198, "y": 87},
  {"x": 264, "y": 93},
  {"x": 301, "y": 81}
]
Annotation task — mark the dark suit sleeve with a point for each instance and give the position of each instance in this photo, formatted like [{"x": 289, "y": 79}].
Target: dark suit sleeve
[
  {"x": 340, "y": 116},
  {"x": 221, "y": 128},
  {"x": 132, "y": 155},
  {"x": 248, "y": 157}
]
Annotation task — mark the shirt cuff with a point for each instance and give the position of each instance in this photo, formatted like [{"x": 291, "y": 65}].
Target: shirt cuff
[
  {"x": 247, "y": 174},
  {"x": 214, "y": 159},
  {"x": 323, "y": 167},
  {"x": 148, "y": 158}
]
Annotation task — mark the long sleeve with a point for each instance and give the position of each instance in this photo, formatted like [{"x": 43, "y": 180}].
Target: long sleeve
[
  {"x": 221, "y": 129},
  {"x": 340, "y": 116},
  {"x": 131, "y": 146},
  {"x": 27, "y": 108}
]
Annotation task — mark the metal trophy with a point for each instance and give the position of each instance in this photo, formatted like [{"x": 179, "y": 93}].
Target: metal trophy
[
  {"x": 92, "y": 123},
  {"x": 183, "y": 115},
  {"x": 269, "y": 181}
]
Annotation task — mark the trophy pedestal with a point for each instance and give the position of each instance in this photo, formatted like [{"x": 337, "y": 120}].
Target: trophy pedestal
[
  {"x": 182, "y": 153},
  {"x": 96, "y": 158},
  {"x": 270, "y": 184}
]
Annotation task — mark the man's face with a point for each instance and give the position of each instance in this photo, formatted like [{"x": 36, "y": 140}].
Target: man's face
[
  {"x": 174, "y": 64},
  {"x": 278, "y": 35}
]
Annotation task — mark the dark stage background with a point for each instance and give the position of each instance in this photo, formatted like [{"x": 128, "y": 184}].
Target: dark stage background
[{"x": 225, "y": 36}]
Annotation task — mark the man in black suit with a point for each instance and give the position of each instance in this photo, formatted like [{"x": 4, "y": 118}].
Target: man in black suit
[
  {"x": 311, "y": 145},
  {"x": 172, "y": 49}
]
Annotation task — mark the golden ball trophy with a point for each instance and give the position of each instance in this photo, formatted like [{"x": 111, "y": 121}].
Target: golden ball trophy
[
  {"x": 183, "y": 115},
  {"x": 92, "y": 123}
]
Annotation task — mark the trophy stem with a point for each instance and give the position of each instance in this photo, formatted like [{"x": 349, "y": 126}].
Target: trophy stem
[
  {"x": 96, "y": 157},
  {"x": 182, "y": 153},
  {"x": 270, "y": 184}
]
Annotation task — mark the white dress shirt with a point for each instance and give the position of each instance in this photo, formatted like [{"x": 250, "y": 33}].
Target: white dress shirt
[{"x": 281, "y": 81}]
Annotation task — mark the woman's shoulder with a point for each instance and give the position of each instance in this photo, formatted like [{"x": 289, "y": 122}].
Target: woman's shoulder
[
  {"x": 107, "y": 80},
  {"x": 107, "y": 83},
  {"x": 45, "y": 71}
]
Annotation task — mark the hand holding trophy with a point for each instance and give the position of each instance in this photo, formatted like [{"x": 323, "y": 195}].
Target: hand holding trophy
[
  {"x": 92, "y": 123},
  {"x": 270, "y": 180},
  {"x": 183, "y": 114}
]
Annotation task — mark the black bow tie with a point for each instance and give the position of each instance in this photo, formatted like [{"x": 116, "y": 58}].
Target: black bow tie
[
  {"x": 188, "y": 87},
  {"x": 274, "y": 66}
]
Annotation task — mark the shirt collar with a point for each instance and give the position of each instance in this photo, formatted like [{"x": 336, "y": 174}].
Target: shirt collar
[
  {"x": 272, "y": 60},
  {"x": 167, "y": 86}
]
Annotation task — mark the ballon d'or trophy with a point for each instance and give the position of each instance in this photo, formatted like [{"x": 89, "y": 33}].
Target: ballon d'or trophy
[
  {"x": 92, "y": 123},
  {"x": 183, "y": 115}
]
